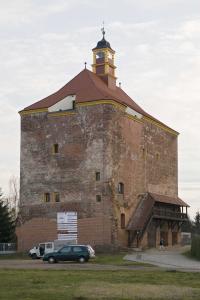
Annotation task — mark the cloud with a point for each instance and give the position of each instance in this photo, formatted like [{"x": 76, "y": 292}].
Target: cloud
[{"x": 18, "y": 12}]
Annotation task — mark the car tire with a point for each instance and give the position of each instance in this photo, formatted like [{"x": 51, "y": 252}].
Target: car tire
[
  {"x": 82, "y": 259},
  {"x": 34, "y": 256},
  {"x": 51, "y": 260}
]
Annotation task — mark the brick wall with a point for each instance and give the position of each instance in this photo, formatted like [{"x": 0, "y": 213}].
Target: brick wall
[
  {"x": 93, "y": 231},
  {"x": 35, "y": 231}
]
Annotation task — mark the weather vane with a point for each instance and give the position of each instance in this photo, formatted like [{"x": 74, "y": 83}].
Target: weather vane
[{"x": 103, "y": 30}]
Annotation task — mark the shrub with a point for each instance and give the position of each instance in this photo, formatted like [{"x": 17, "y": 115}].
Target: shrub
[{"x": 195, "y": 246}]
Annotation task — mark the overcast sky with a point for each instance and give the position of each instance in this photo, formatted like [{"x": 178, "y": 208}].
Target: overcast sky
[{"x": 44, "y": 44}]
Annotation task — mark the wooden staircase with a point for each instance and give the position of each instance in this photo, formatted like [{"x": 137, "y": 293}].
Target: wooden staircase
[{"x": 140, "y": 220}]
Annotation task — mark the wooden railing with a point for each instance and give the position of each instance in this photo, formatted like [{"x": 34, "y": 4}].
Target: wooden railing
[{"x": 166, "y": 213}]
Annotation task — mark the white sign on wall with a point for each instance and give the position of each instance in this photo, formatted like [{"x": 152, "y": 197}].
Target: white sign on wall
[{"x": 67, "y": 225}]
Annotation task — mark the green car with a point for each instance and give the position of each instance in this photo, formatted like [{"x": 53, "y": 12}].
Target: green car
[{"x": 78, "y": 253}]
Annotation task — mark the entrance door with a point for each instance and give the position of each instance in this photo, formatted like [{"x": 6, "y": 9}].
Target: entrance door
[{"x": 164, "y": 236}]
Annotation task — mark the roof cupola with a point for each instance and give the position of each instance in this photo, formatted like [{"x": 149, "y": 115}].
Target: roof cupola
[{"x": 103, "y": 62}]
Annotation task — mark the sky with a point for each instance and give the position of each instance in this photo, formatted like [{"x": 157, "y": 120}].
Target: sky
[{"x": 44, "y": 44}]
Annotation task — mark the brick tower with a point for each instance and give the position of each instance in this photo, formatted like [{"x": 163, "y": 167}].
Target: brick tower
[{"x": 88, "y": 151}]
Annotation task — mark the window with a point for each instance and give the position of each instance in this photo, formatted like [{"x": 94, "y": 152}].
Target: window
[
  {"x": 98, "y": 177},
  {"x": 65, "y": 249},
  {"x": 100, "y": 55},
  {"x": 73, "y": 104},
  {"x": 121, "y": 188},
  {"x": 143, "y": 152},
  {"x": 47, "y": 197},
  {"x": 77, "y": 249},
  {"x": 98, "y": 198},
  {"x": 55, "y": 148},
  {"x": 157, "y": 156},
  {"x": 122, "y": 221},
  {"x": 57, "y": 197},
  {"x": 49, "y": 246}
]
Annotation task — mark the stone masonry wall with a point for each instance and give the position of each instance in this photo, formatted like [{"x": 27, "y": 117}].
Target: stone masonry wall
[
  {"x": 98, "y": 138},
  {"x": 144, "y": 158},
  {"x": 71, "y": 172}
]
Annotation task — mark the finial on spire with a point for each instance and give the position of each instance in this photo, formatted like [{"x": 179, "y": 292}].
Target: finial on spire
[
  {"x": 103, "y": 30},
  {"x": 85, "y": 63}
]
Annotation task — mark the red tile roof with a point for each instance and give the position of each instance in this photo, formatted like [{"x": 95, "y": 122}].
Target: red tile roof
[{"x": 87, "y": 86}]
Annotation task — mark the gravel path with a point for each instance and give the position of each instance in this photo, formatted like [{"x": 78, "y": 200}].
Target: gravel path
[{"x": 168, "y": 258}]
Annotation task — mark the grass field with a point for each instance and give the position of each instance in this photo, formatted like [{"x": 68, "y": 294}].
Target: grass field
[
  {"x": 82, "y": 285},
  {"x": 102, "y": 259}
]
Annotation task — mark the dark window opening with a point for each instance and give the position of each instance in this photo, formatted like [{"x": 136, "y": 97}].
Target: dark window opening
[
  {"x": 47, "y": 197},
  {"x": 121, "y": 188},
  {"x": 98, "y": 198},
  {"x": 73, "y": 104},
  {"x": 98, "y": 177},
  {"x": 57, "y": 197},
  {"x": 122, "y": 221},
  {"x": 55, "y": 148},
  {"x": 157, "y": 156},
  {"x": 143, "y": 152}
]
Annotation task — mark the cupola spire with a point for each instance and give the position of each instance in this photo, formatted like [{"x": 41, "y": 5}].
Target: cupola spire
[{"x": 103, "y": 30}]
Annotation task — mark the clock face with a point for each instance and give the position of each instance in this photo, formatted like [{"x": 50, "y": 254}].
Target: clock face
[{"x": 100, "y": 55}]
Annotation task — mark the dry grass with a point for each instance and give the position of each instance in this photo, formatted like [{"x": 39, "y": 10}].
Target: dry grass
[
  {"x": 98, "y": 285},
  {"x": 129, "y": 291}
]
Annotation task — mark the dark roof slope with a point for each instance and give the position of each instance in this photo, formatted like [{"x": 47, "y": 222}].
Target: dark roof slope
[
  {"x": 168, "y": 200},
  {"x": 102, "y": 44},
  {"x": 87, "y": 86}
]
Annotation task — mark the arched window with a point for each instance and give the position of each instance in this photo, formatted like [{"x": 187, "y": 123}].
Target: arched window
[
  {"x": 123, "y": 221},
  {"x": 120, "y": 188}
]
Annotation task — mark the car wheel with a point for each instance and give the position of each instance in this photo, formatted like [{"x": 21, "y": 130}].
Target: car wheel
[
  {"x": 82, "y": 259},
  {"x": 34, "y": 256},
  {"x": 51, "y": 260}
]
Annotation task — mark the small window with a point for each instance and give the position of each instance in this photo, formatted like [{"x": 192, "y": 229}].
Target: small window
[
  {"x": 121, "y": 188},
  {"x": 122, "y": 221},
  {"x": 57, "y": 197},
  {"x": 98, "y": 198},
  {"x": 73, "y": 104},
  {"x": 98, "y": 177},
  {"x": 100, "y": 55},
  {"x": 55, "y": 148},
  {"x": 157, "y": 156},
  {"x": 47, "y": 197},
  {"x": 143, "y": 152}
]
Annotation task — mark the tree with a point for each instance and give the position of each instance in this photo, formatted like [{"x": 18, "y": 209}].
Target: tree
[
  {"x": 188, "y": 226},
  {"x": 13, "y": 196},
  {"x": 197, "y": 222},
  {"x": 7, "y": 226}
]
